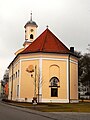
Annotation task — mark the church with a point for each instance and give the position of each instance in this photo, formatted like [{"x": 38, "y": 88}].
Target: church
[{"x": 44, "y": 70}]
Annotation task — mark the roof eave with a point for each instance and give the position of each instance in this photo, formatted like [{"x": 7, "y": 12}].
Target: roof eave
[{"x": 70, "y": 53}]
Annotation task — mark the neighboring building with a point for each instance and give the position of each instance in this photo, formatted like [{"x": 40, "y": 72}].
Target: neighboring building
[
  {"x": 4, "y": 84},
  {"x": 6, "y": 90},
  {"x": 0, "y": 89},
  {"x": 44, "y": 69}
]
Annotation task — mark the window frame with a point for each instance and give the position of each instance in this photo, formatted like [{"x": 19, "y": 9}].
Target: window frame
[
  {"x": 54, "y": 85},
  {"x": 52, "y": 82}
]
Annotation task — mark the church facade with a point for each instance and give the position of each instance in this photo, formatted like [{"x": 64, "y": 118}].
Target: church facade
[{"x": 44, "y": 69}]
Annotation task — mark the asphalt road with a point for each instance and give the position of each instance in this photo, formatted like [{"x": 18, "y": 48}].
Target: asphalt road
[{"x": 8, "y": 112}]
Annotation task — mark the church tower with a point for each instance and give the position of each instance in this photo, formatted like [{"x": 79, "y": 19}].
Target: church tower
[{"x": 30, "y": 32}]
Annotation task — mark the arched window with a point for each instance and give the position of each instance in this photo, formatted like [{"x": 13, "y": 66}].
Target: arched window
[
  {"x": 31, "y": 36},
  {"x": 54, "y": 86},
  {"x": 54, "y": 81},
  {"x": 16, "y": 74}
]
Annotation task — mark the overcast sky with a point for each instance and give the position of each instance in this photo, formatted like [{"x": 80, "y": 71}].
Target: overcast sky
[{"x": 69, "y": 20}]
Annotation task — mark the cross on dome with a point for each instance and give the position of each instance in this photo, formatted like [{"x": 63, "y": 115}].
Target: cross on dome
[
  {"x": 31, "y": 16},
  {"x": 47, "y": 26},
  {"x": 31, "y": 22}
]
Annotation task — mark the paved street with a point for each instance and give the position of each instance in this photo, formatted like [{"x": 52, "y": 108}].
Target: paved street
[
  {"x": 8, "y": 112},
  {"x": 11, "y": 113}
]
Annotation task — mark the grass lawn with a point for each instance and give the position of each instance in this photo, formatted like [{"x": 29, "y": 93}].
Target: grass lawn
[
  {"x": 72, "y": 107},
  {"x": 56, "y": 107}
]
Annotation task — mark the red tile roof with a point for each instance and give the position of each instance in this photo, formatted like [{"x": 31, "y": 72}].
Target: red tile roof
[{"x": 47, "y": 42}]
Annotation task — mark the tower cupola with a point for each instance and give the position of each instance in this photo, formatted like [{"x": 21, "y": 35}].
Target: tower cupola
[{"x": 30, "y": 32}]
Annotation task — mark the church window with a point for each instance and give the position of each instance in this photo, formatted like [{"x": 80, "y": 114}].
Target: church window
[
  {"x": 17, "y": 90},
  {"x": 31, "y": 36},
  {"x": 31, "y": 30},
  {"x": 13, "y": 76},
  {"x": 54, "y": 92},
  {"x": 54, "y": 86},
  {"x": 54, "y": 81},
  {"x": 16, "y": 74}
]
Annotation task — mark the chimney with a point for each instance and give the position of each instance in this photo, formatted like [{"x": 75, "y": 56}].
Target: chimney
[{"x": 72, "y": 49}]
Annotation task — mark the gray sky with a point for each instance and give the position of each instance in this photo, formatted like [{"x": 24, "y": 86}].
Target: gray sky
[{"x": 69, "y": 20}]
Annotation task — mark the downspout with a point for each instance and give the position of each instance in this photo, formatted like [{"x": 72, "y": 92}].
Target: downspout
[
  {"x": 35, "y": 82},
  {"x": 38, "y": 87},
  {"x": 69, "y": 76},
  {"x": 69, "y": 80}
]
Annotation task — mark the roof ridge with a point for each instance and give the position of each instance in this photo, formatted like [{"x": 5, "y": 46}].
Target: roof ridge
[
  {"x": 57, "y": 40},
  {"x": 45, "y": 40},
  {"x": 60, "y": 42},
  {"x": 42, "y": 46}
]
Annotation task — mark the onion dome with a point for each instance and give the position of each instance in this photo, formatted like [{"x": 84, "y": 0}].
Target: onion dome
[{"x": 31, "y": 23}]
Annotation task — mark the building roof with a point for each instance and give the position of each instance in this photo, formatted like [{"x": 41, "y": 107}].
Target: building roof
[
  {"x": 46, "y": 42},
  {"x": 31, "y": 23}
]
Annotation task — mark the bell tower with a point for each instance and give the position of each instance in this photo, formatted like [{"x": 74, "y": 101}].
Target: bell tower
[{"x": 30, "y": 32}]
